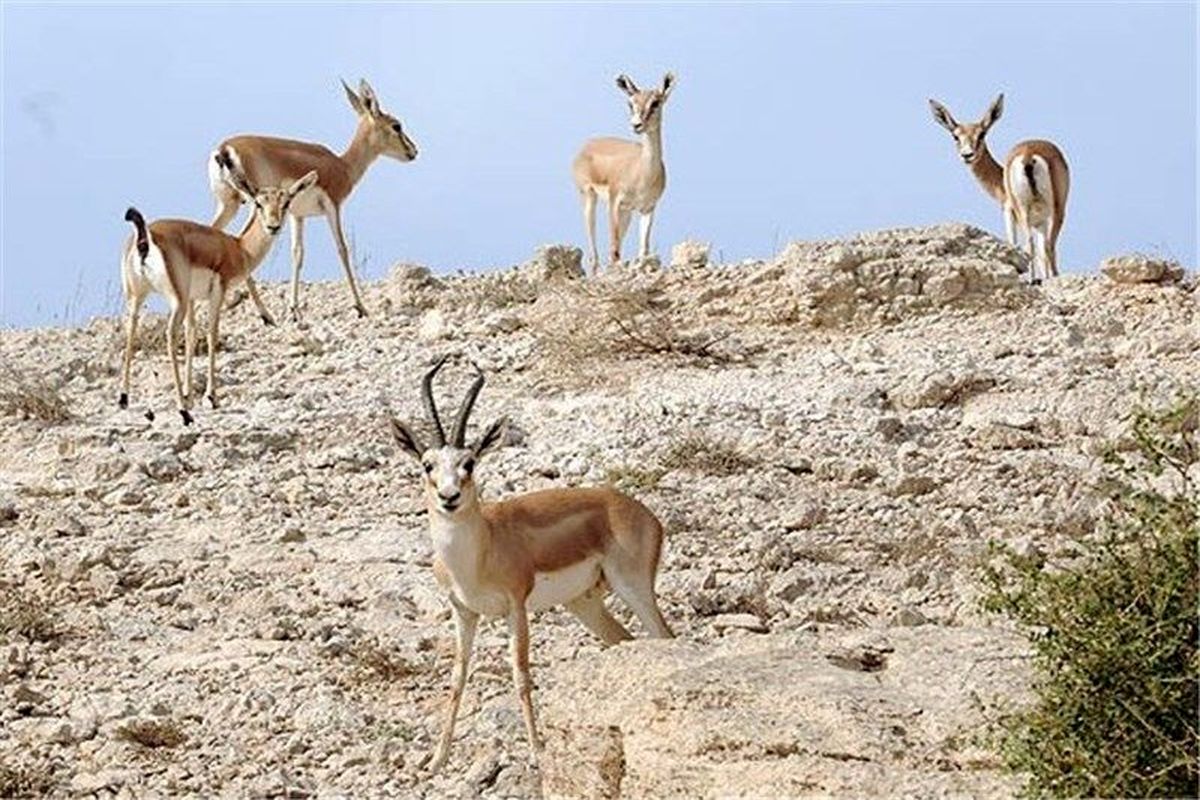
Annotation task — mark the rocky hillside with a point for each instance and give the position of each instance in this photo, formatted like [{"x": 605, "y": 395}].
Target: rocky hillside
[{"x": 245, "y": 607}]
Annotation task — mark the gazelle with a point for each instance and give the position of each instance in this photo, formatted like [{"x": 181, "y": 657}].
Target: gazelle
[
  {"x": 187, "y": 262},
  {"x": 268, "y": 161},
  {"x": 630, "y": 176},
  {"x": 526, "y": 553},
  {"x": 1031, "y": 186}
]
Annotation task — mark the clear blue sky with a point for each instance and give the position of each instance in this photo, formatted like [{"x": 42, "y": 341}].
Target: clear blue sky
[{"x": 801, "y": 121}]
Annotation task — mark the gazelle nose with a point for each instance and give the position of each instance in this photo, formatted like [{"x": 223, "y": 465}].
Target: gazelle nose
[{"x": 450, "y": 499}]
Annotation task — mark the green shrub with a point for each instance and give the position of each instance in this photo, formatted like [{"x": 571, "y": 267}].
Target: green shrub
[{"x": 1114, "y": 630}]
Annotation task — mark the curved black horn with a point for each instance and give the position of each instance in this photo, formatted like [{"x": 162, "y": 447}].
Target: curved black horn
[
  {"x": 430, "y": 406},
  {"x": 460, "y": 424}
]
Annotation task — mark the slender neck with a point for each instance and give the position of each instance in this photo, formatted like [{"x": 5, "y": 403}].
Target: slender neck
[
  {"x": 255, "y": 243},
  {"x": 652, "y": 148},
  {"x": 989, "y": 173},
  {"x": 359, "y": 153}
]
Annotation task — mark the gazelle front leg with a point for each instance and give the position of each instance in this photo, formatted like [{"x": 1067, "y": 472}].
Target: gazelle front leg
[
  {"x": 297, "y": 263},
  {"x": 465, "y": 623},
  {"x": 518, "y": 631},
  {"x": 252, "y": 287},
  {"x": 334, "y": 215},
  {"x": 646, "y": 222},
  {"x": 589, "y": 223}
]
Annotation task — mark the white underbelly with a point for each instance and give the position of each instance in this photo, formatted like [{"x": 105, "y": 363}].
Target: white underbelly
[{"x": 555, "y": 588}]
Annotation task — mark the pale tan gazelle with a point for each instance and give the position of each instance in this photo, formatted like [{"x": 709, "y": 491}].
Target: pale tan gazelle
[
  {"x": 187, "y": 262},
  {"x": 629, "y": 176},
  {"x": 268, "y": 161},
  {"x": 1031, "y": 187},
  {"x": 526, "y": 553}
]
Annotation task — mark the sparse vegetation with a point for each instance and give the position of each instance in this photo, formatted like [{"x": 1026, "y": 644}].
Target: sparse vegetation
[
  {"x": 1115, "y": 630},
  {"x": 700, "y": 453},
  {"x": 31, "y": 396},
  {"x": 26, "y": 616},
  {"x": 153, "y": 734},
  {"x": 370, "y": 662},
  {"x": 21, "y": 781},
  {"x": 584, "y": 325},
  {"x": 634, "y": 478}
]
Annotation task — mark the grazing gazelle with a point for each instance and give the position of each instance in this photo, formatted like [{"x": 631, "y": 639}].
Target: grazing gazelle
[
  {"x": 268, "y": 161},
  {"x": 630, "y": 176},
  {"x": 526, "y": 553},
  {"x": 1031, "y": 186},
  {"x": 187, "y": 262}
]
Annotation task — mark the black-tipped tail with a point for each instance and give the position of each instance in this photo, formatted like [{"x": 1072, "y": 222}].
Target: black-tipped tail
[
  {"x": 143, "y": 238},
  {"x": 1029, "y": 177}
]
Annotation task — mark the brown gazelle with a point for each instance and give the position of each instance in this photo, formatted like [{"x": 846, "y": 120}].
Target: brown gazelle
[
  {"x": 187, "y": 262},
  {"x": 526, "y": 553},
  {"x": 1031, "y": 187},
  {"x": 629, "y": 176},
  {"x": 268, "y": 161}
]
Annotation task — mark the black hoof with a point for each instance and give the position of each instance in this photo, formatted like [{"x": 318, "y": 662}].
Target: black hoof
[
  {"x": 150, "y": 416},
  {"x": 123, "y": 400},
  {"x": 212, "y": 401},
  {"x": 268, "y": 321},
  {"x": 187, "y": 417},
  {"x": 362, "y": 312},
  {"x": 1036, "y": 282}
]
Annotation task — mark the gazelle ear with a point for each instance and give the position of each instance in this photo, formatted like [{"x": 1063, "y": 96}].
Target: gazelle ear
[
  {"x": 369, "y": 100},
  {"x": 626, "y": 84},
  {"x": 668, "y": 84},
  {"x": 491, "y": 437},
  {"x": 304, "y": 183},
  {"x": 406, "y": 439},
  {"x": 942, "y": 116},
  {"x": 994, "y": 111},
  {"x": 355, "y": 102}
]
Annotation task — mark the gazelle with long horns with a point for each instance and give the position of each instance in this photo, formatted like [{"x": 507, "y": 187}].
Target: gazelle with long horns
[
  {"x": 629, "y": 176},
  {"x": 526, "y": 553},
  {"x": 1031, "y": 187},
  {"x": 269, "y": 161},
  {"x": 187, "y": 262}
]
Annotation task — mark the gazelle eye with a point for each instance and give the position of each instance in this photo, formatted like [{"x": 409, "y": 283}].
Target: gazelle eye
[
  {"x": 396, "y": 127},
  {"x": 468, "y": 465},
  {"x": 428, "y": 468}
]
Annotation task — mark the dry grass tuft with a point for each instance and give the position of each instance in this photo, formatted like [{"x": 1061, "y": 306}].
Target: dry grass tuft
[
  {"x": 25, "y": 781},
  {"x": 26, "y": 616},
  {"x": 153, "y": 734},
  {"x": 31, "y": 396},
  {"x": 698, "y": 453},
  {"x": 372, "y": 662},
  {"x": 582, "y": 328}
]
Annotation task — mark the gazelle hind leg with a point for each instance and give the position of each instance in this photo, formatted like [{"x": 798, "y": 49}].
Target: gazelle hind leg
[
  {"x": 133, "y": 308},
  {"x": 173, "y": 320},
  {"x": 227, "y": 208},
  {"x": 634, "y": 584},
  {"x": 334, "y": 215},
  {"x": 215, "y": 298},
  {"x": 189, "y": 345},
  {"x": 589, "y": 608},
  {"x": 465, "y": 623}
]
